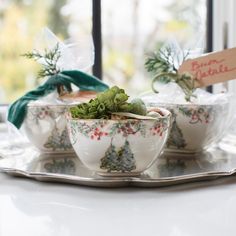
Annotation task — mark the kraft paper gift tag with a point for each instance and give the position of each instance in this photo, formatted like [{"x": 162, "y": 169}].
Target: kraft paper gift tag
[{"x": 211, "y": 69}]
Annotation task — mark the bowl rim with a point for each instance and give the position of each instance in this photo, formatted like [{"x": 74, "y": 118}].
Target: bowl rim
[
  {"x": 167, "y": 115},
  {"x": 226, "y": 98},
  {"x": 156, "y": 104},
  {"x": 52, "y": 105}
]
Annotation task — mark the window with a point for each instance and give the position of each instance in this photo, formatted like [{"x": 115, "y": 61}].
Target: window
[
  {"x": 20, "y": 22},
  {"x": 130, "y": 29}
]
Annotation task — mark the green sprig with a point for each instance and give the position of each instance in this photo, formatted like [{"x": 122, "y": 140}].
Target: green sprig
[
  {"x": 161, "y": 65},
  {"x": 50, "y": 58},
  {"x": 49, "y": 68}
]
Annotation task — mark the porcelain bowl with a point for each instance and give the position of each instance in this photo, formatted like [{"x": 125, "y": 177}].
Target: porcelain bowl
[
  {"x": 45, "y": 127},
  {"x": 119, "y": 147},
  {"x": 45, "y": 122},
  {"x": 195, "y": 127}
]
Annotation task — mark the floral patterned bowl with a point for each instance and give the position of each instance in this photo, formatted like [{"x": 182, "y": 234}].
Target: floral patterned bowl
[
  {"x": 45, "y": 127},
  {"x": 196, "y": 127},
  {"x": 119, "y": 147}
]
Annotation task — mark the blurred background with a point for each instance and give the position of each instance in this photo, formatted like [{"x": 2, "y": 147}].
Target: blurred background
[{"x": 130, "y": 29}]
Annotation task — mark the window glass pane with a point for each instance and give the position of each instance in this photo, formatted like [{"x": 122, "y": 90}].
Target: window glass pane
[
  {"x": 131, "y": 29},
  {"x": 20, "y": 21}
]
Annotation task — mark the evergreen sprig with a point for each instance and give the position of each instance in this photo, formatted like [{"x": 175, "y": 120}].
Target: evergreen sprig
[
  {"x": 161, "y": 61},
  {"x": 161, "y": 65},
  {"x": 50, "y": 58}
]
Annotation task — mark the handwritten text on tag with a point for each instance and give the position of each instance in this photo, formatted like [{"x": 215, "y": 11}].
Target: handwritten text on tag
[{"x": 212, "y": 68}]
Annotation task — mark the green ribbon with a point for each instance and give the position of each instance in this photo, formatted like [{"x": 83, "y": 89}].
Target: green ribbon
[{"x": 85, "y": 82}]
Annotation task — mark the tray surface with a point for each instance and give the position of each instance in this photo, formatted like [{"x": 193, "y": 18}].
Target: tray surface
[{"x": 169, "y": 169}]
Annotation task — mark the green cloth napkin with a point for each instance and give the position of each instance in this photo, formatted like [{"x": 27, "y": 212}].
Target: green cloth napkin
[{"x": 85, "y": 82}]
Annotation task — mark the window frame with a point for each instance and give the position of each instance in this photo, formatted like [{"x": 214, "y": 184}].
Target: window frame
[
  {"x": 97, "y": 37},
  {"x": 209, "y": 32}
]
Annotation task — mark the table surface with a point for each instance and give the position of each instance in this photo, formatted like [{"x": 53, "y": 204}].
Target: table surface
[{"x": 28, "y": 207}]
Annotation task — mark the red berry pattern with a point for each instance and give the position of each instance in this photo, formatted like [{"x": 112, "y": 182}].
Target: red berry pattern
[
  {"x": 98, "y": 130},
  {"x": 196, "y": 114}
]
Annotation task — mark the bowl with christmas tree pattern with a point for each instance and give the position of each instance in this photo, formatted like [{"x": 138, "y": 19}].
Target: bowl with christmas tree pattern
[
  {"x": 119, "y": 147},
  {"x": 196, "y": 127},
  {"x": 45, "y": 127},
  {"x": 45, "y": 122}
]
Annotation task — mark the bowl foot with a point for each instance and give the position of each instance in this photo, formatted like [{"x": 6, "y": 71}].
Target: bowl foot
[{"x": 183, "y": 152}]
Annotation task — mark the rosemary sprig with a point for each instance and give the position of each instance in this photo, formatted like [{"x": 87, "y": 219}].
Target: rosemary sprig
[
  {"x": 162, "y": 65},
  {"x": 50, "y": 58}
]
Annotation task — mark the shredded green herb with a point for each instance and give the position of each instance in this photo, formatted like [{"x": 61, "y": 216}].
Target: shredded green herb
[{"x": 106, "y": 103}]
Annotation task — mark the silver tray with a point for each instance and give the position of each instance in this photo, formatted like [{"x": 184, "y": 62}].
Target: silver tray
[{"x": 169, "y": 169}]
